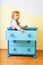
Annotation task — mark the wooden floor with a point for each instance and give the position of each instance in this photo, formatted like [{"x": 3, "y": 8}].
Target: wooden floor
[{"x": 20, "y": 60}]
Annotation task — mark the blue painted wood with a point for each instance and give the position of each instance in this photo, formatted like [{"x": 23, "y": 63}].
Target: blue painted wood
[
  {"x": 29, "y": 28},
  {"x": 21, "y": 50},
  {"x": 17, "y": 35},
  {"x": 22, "y": 43}
]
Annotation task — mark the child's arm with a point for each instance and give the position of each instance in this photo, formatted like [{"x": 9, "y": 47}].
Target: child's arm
[{"x": 14, "y": 24}]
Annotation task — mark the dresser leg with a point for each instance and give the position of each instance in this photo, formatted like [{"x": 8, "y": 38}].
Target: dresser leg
[
  {"x": 8, "y": 55},
  {"x": 34, "y": 56}
]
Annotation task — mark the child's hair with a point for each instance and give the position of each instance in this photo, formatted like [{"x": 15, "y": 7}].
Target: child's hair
[{"x": 14, "y": 12}]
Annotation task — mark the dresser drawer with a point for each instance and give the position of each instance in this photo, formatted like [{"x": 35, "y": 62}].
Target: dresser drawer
[
  {"x": 17, "y": 35},
  {"x": 21, "y": 50},
  {"x": 21, "y": 43}
]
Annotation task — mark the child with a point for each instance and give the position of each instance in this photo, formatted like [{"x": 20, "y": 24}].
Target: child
[{"x": 15, "y": 24}]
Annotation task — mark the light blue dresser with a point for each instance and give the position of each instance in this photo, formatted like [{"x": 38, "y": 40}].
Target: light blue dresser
[{"x": 22, "y": 43}]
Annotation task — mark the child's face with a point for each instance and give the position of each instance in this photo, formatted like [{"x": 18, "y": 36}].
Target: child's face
[{"x": 16, "y": 16}]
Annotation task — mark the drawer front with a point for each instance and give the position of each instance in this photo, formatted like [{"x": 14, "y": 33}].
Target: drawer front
[
  {"x": 21, "y": 43},
  {"x": 21, "y": 50},
  {"x": 17, "y": 35}
]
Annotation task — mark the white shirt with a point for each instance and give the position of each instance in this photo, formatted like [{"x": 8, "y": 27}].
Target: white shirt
[{"x": 14, "y": 25}]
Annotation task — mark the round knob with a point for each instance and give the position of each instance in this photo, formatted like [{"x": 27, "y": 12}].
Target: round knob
[
  {"x": 14, "y": 49},
  {"x": 29, "y": 35},
  {"x": 14, "y": 41},
  {"x": 28, "y": 41},
  {"x": 12, "y": 35},
  {"x": 28, "y": 49}
]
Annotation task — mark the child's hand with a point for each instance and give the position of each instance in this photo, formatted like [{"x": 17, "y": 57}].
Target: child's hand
[
  {"x": 22, "y": 30},
  {"x": 26, "y": 26}
]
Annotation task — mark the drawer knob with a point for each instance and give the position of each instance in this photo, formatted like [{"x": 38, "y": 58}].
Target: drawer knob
[
  {"x": 14, "y": 49},
  {"x": 29, "y": 35},
  {"x": 28, "y": 49},
  {"x": 12, "y": 35},
  {"x": 14, "y": 41},
  {"x": 28, "y": 41}
]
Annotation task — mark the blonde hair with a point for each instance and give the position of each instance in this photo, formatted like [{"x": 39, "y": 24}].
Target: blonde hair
[{"x": 12, "y": 16}]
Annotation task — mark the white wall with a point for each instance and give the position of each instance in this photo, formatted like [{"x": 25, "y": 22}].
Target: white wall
[{"x": 34, "y": 7}]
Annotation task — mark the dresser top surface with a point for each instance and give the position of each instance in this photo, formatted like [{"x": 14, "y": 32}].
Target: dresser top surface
[{"x": 29, "y": 28}]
